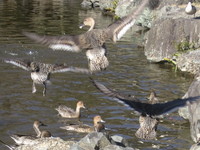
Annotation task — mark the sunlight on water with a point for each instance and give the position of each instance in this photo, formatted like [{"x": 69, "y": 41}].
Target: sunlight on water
[{"x": 129, "y": 72}]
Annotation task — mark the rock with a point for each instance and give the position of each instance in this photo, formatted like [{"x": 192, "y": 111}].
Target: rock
[
  {"x": 166, "y": 34},
  {"x": 48, "y": 143},
  {"x": 115, "y": 147},
  {"x": 195, "y": 147},
  {"x": 189, "y": 61},
  {"x": 90, "y": 3},
  {"x": 106, "y": 4},
  {"x": 92, "y": 141},
  {"x": 193, "y": 110},
  {"x": 96, "y": 140}
]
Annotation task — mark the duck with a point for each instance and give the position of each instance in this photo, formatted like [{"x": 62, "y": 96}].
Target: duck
[
  {"x": 93, "y": 41},
  {"x": 190, "y": 9},
  {"x": 40, "y": 72},
  {"x": 148, "y": 125},
  {"x": 145, "y": 108},
  {"x": 29, "y": 139},
  {"x": 67, "y": 112},
  {"x": 84, "y": 128}
]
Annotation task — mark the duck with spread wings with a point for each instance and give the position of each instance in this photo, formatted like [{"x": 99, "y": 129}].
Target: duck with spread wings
[{"x": 93, "y": 41}]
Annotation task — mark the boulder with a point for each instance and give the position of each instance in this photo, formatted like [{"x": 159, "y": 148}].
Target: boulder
[
  {"x": 189, "y": 61},
  {"x": 98, "y": 140},
  {"x": 166, "y": 35},
  {"x": 192, "y": 111}
]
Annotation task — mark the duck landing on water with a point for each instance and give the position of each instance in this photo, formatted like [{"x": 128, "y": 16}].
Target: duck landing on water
[
  {"x": 149, "y": 112},
  {"x": 93, "y": 41},
  {"x": 40, "y": 72},
  {"x": 190, "y": 9}
]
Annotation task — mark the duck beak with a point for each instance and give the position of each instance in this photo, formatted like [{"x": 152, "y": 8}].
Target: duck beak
[
  {"x": 102, "y": 121},
  {"x": 43, "y": 124},
  {"x": 81, "y": 26}
]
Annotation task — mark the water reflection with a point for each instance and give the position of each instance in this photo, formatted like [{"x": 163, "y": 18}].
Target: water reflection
[{"x": 129, "y": 72}]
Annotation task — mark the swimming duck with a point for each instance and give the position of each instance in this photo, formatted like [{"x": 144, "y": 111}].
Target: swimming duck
[
  {"x": 84, "y": 128},
  {"x": 29, "y": 139},
  {"x": 148, "y": 125},
  {"x": 67, "y": 112},
  {"x": 40, "y": 72},
  {"x": 93, "y": 41},
  {"x": 143, "y": 108},
  {"x": 190, "y": 9}
]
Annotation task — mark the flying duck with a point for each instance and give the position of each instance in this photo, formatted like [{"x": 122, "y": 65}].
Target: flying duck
[
  {"x": 93, "y": 41},
  {"x": 40, "y": 72}
]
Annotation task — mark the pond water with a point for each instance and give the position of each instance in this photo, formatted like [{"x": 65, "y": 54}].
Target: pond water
[{"x": 129, "y": 72}]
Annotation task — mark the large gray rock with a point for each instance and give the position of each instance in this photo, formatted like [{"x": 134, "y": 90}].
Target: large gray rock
[
  {"x": 166, "y": 34},
  {"x": 193, "y": 111},
  {"x": 189, "y": 61}
]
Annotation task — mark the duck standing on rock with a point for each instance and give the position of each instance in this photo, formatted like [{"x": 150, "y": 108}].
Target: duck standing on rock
[
  {"x": 93, "y": 41},
  {"x": 40, "y": 72},
  {"x": 29, "y": 139},
  {"x": 190, "y": 9}
]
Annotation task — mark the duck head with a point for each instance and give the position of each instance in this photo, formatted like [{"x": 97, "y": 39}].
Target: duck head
[{"x": 88, "y": 22}]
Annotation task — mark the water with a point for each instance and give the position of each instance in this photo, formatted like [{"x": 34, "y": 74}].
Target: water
[{"x": 129, "y": 72}]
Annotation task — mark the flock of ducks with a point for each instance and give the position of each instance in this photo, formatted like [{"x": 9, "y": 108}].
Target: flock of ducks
[{"x": 93, "y": 41}]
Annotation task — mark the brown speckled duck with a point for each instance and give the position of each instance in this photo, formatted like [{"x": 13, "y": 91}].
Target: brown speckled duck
[
  {"x": 40, "y": 72},
  {"x": 67, "y": 112},
  {"x": 93, "y": 41},
  {"x": 84, "y": 128},
  {"x": 148, "y": 125}
]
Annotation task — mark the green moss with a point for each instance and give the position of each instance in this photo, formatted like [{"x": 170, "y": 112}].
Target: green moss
[
  {"x": 114, "y": 4},
  {"x": 184, "y": 46}
]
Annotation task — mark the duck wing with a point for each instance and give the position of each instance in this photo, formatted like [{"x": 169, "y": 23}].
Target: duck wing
[
  {"x": 66, "y": 43},
  {"x": 146, "y": 108},
  {"x": 63, "y": 68},
  {"x": 22, "y": 64},
  {"x": 120, "y": 27},
  {"x": 65, "y": 109}
]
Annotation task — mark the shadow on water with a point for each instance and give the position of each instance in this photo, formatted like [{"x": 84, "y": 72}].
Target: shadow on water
[{"x": 129, "y": 72}]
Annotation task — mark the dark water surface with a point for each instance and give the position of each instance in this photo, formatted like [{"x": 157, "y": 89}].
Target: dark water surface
[{"x": 129, "y": 72}]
